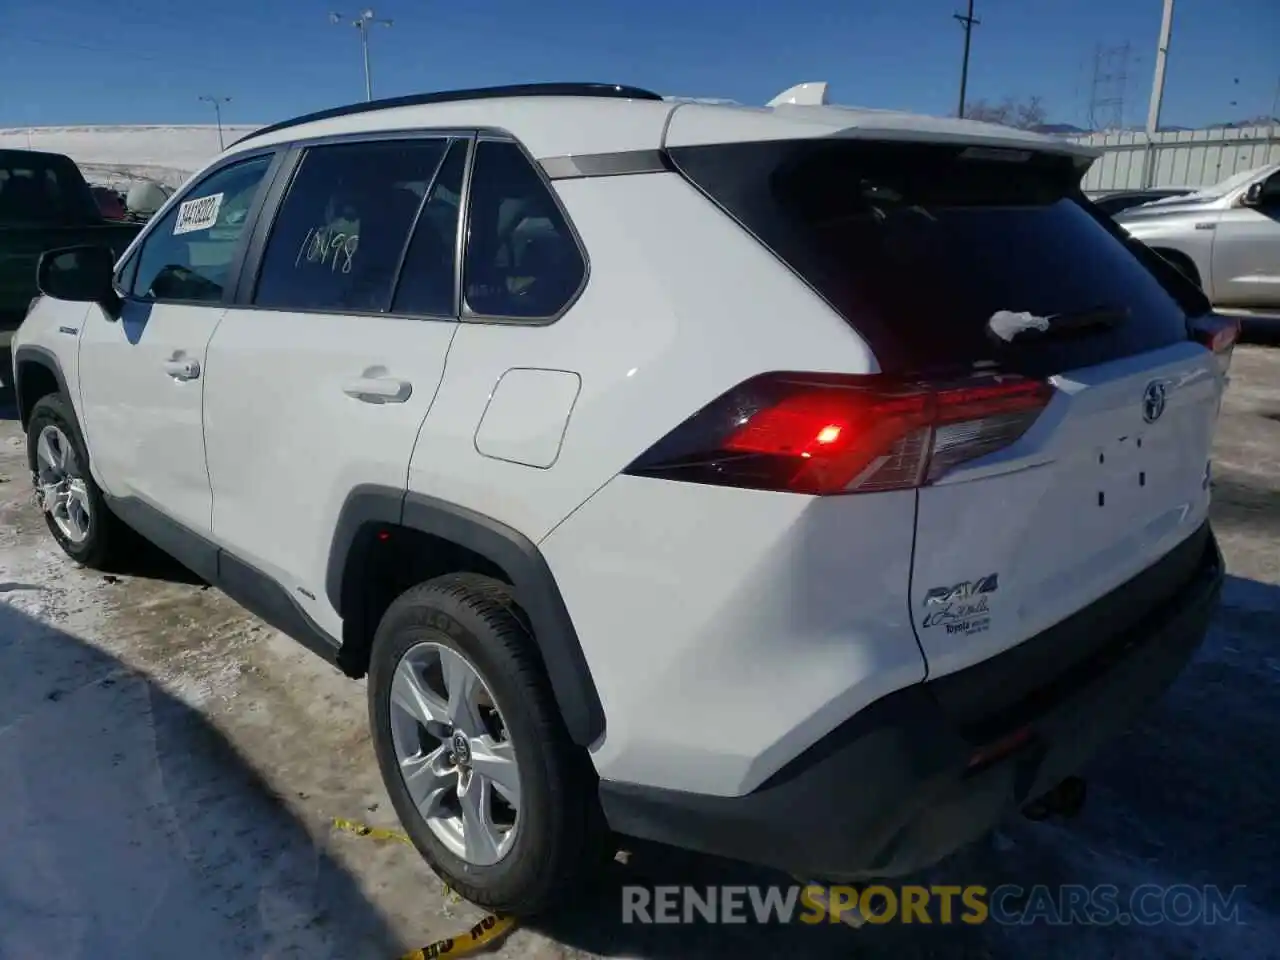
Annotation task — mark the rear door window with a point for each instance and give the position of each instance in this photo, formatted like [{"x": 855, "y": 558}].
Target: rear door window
[
  {"x": 428, "y": 279},
  {"x": 340, "y": 235},
  {"x": 919, "y": 246}
]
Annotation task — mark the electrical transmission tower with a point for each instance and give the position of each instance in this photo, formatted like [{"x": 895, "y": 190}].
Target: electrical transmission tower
[{"x": 1107, "y": 91}]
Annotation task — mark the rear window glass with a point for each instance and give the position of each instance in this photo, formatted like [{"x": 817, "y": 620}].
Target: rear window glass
[
  {"x": 919, "y": 246},
  {"x": 43, "y": 188}
]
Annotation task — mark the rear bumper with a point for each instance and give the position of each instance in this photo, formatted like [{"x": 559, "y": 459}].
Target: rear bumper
[{"x": 911, "y": 778}]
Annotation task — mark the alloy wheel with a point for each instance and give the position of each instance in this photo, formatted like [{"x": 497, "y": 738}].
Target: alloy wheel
[
  {"x": 454, "y": 755},
  {"x": 60, "y": 488}
]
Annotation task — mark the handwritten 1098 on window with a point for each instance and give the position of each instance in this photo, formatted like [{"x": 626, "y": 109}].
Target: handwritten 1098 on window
[{"x": 337, "y": 242}]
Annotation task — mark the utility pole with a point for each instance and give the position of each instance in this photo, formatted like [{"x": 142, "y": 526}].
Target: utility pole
[
  {"x": 968, "y": 21},
  {"x": 217, "y": 112},
  {"x": 1157, "y": 92},
  {"x": 1271, "y": 133},
  {"x": 362, "y": 23}
]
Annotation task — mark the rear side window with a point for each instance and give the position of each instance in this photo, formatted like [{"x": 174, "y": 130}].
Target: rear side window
[
  {"x": 522, "y": 260},
  {"x": 338, "y": 239},
  {"x": 919, "y": 246}
]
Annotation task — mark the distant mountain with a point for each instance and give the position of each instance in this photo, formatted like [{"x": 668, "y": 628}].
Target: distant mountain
[{"x": 1065, "y": 128}]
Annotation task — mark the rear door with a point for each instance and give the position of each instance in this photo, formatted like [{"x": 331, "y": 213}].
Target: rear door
[
  {"x": 322, "y": 372},
  {"x": 952, "y": 261},
  {"x": 1113, "y": 475}
]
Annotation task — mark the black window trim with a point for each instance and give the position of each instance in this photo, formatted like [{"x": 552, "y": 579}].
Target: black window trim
[
  {"x": 467, "y": 315},
  {"x": 296, "y": 150},
  {"x": 129, "y": 263},
  {"x": 292, "y": 152},
  {"x": 456, "y": 290}
]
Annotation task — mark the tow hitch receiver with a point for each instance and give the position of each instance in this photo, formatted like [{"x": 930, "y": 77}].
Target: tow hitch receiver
[{"x": 1065, "y": 800}]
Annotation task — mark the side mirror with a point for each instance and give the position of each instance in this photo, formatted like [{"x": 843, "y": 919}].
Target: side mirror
[
  {"x": 1253, "y": 196},
  {"x": 80, "y": 274}
]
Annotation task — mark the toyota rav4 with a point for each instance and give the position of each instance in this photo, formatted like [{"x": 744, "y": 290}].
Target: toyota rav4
[{"x": 675, "y": 470}]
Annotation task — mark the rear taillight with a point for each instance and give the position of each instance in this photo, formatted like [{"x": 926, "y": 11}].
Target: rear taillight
[
  {"x": 829, "y": 434},
  {"x": 1218, "y": 335}
]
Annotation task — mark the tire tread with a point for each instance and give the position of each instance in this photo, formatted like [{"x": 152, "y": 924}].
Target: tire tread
[{"x": 579, "y": 841}]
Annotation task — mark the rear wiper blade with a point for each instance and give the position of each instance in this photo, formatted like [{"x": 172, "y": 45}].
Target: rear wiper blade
[{"x": 1007, "y": 327}]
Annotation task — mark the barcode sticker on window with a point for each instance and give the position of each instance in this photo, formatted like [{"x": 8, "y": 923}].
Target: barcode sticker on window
[{"x": 198, "y": 214}]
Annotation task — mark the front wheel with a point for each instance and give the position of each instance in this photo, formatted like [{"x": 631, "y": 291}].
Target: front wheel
[
  {"x": 73, "y": 506},
  {"x": 480, "y": 770}
]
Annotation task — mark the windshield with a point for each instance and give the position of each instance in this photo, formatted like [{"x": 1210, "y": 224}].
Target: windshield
[{"x": 1224, "y": 187}]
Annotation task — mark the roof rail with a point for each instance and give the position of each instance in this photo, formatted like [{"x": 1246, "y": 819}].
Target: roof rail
[{"x": 608, "y": 90}]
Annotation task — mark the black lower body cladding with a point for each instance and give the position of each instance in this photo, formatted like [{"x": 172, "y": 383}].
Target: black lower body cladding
[{"x": 903, "y": 783}]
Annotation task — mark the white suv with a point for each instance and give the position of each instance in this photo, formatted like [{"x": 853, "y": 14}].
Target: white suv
[{"x": 800, "y": 484}]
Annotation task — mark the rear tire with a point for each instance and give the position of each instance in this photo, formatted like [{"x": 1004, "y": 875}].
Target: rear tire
[
  {"x": 471, "y": 622},
  {"x": 74, "y": 509}
]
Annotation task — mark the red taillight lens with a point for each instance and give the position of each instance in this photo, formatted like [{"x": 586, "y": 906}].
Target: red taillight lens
[
  {"x": 1217, "y": 334},
  {"x": 826, "y": 434}
]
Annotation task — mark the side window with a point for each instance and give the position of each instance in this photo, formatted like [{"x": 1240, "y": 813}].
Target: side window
[
  {"x": 187, "y": 255},
  {"x": 522, "y": 260},
  {"x": 338, "y": 238},
  {"x": 1269, "y": 196},
  {"x": 426, "y": 285}
]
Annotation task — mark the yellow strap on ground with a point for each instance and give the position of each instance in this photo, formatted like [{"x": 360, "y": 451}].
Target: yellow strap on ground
[
  {"x": 490, "y": 928},
  {"x": 373, "y": 833},
  {"x": 482, "y": 934}
]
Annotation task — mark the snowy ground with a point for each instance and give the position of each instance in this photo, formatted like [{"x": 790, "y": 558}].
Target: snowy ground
[
  {"x": 170, "y": 768},
  {"x": 119, "y": 155}
]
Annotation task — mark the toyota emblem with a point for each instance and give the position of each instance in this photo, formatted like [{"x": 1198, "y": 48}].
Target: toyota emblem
[{"x": 1154, "y": 399}]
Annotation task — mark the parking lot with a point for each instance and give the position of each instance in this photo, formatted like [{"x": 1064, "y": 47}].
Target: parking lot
[{"x": 171, "y": 768}]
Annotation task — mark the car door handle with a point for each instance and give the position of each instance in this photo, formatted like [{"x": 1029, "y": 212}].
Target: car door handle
[
  {"x": 182, "y": 369},
  {"x": 379, "y": 389}
]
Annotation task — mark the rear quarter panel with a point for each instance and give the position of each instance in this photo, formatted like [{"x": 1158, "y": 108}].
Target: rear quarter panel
[{"x": 680, "y": 305}]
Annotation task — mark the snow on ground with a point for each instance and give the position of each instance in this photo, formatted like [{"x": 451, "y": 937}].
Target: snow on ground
[
  {"x": 170, "y": 767},
  {"x": 118, "y": 155}
]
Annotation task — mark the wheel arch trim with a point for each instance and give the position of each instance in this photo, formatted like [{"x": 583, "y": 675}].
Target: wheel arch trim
[
  {"x": 41, "y": 357},
  {"x": 522, "y": 561}
]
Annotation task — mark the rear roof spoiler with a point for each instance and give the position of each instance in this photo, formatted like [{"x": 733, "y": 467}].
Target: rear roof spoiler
[{"x": 810, "y": 94}]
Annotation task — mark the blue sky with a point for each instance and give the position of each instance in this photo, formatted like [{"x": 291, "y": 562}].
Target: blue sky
[{"x": 144, "y": 61}]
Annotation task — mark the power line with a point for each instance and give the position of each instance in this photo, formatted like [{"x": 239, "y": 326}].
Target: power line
[
  {"x": 968, "y": 21},
  {"x": 73, "y": 45}
]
